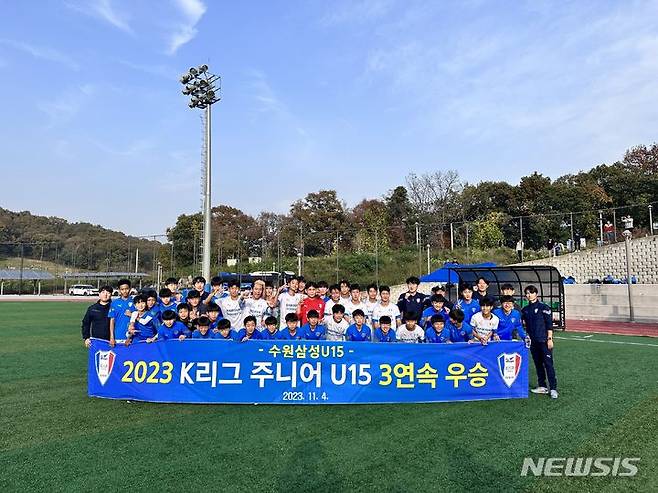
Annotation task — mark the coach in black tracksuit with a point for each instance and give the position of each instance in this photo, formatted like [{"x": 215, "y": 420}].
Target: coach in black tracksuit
[
  {"x": 538, "y": 321},
  {"x": 96, "y": 322}
]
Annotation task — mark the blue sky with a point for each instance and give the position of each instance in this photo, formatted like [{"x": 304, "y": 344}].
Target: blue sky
[{"x": 351, "y": 95}]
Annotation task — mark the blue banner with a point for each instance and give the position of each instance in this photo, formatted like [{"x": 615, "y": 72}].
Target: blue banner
[{"x": 307, "y": 372}]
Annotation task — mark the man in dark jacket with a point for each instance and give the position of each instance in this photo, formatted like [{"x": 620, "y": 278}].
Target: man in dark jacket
[
  {"x": 538, "y": 321},
  {"x": 412, "y": 300},
  {"x": 96, "y": 322}
]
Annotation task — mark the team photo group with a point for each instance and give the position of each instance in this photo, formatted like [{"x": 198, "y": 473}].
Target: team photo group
[{"x": 300, "y": 310}]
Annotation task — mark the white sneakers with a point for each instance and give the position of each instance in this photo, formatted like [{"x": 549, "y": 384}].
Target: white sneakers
[{"x": 544, "y": 390}]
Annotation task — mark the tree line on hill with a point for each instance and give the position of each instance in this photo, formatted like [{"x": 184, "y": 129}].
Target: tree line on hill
[
  {"x": 483, "y": 215},
  {"x": 320, "y": 223}
]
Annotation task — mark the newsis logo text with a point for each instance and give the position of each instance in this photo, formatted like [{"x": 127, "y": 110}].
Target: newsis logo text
[{"x": 580, "y": 466}]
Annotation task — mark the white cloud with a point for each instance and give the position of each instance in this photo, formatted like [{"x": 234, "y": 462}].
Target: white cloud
[
  {"x": 104, "y": 10},
  {"x": 42, "y": 53},
  {"x": 66, "y": 106},
  {"x": 355, "y": 11},
  {"x": 186, "y": 30}
]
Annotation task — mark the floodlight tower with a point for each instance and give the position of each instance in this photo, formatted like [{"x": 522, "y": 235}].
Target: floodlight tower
[{"x": 204, "y": 90}]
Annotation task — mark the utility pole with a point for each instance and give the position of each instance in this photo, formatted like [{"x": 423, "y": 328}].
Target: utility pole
[
  {"x": 20, "y": 279},
  {"x": 601, "y": 228},
  {"x": 452, "y": 238},
  {"x": 428, "y": 258},
  {"x": 521, "y": 231},
  {"x": 376, "y": 258},
  {"x": 418, "y": 247},
  {"x": 650, "y": 220},
  {"x": 627, "y": 241},
  {"x": 573, "y": 245}
]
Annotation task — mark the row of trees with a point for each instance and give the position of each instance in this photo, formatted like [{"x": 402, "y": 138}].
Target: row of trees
[
  {"x": 79, "y": 246},
  {"x": 483, "y": 215},
  {"x": 486, "y": 214}
]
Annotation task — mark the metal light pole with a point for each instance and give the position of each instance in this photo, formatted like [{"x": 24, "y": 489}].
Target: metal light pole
[
  {"x": 299, "y": 264},
  {"x": 428, "y": 258},
  {"x": 601, "y": 227},
  {"x": 418, "y": 246},
  {"x": 627, "y": 240},
  {"x": 376, "y": 258},
  {"x": 337, "y": 240},
  {"x": 573, "y": 245},
  {"x": 203, "y": 89},
  {"x": 651, "y": 219},
  {"x": 521, "y": 233},
  {"x": 452, "y": 238}
]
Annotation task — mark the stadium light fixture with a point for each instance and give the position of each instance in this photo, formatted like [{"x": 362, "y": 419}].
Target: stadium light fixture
[{"x": 204, "y": 89}]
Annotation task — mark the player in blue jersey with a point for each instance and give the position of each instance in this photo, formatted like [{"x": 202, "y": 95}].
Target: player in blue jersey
[
  {"x": 271, "y": 329},
  {"x": 460, "y": 331},
  {"x": 384, "y": 333},
  {"x": 172, "y": 285},
  {"x": 216, "y": 291},
  {"x": 225, "y": 333},
  {"x": 249, "y": 332},
  {"x": 203, "y": 329},
  {"x": 119, "y": 313},
  {"x": 509, "y": 320},
  {"x": 170, "y": 328},
  {"x": 312, "y": 330},
  {"x": 291, "y": 331},
  {"x": 213, "y": 311},
  {"x": 183, "y": 312},
  {"x": 358, "y": 331},
  {"x": 166, "y": 302},
  {"x": 196, "y": 307},
  {"x": 142, "y": 324},
  {"x": 437, "y": 307},
  {"x": 467, "y": 304},
  {"x": 437, "y": 331},
  {"x": 199, "y": 283},
  {"x": 152, "y": 306}
]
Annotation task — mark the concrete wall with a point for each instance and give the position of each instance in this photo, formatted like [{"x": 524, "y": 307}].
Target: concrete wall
[
  {"x": 611, "y": 259},
  {"x": 594, "y": 301}
]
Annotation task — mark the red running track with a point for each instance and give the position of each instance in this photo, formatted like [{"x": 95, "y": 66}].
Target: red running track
[{"x": 617, "y": 328}]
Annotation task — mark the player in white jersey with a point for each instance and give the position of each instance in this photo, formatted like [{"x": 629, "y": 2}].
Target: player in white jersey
[
  {"x": 485, "y": 323},
  {"x": 334, "y": 297},
  {"x": 289, "y": 301},
  {"x": 256, "y": 305},
  {"x": 410, "y": 331},
  {"x": 336, "y": 324},
  {"x": 354, "y": 303},
  {"x": 385, "y": 307},
  {"x": 233, "y": 305},
  {"x": 371, "y": 302}
]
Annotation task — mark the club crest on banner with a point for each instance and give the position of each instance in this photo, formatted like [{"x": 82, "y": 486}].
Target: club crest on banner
[
  {"x": 509, "y": 366},
  {"x": 104, "y": 364}
]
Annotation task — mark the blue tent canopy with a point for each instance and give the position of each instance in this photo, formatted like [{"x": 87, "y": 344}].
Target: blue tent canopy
[{"x": 444, "y": 274}]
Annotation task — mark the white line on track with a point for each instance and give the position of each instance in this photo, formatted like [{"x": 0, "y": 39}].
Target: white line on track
[
  {"x": 587, "y": 337},
  {"x": 608, "y": 342}
]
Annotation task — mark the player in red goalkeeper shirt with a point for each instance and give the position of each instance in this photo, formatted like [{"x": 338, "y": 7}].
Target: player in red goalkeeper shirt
[{"x": 311, "y": 302}]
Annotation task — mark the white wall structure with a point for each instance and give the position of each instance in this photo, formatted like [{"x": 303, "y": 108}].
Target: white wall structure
[{"x": 610, "y": 259}]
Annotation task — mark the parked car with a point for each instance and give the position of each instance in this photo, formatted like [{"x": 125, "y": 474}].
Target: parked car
[{"x": 83, "y": 290}]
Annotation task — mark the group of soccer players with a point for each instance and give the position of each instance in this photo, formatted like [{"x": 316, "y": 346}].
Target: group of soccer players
[{"x": 301, "y": 310}]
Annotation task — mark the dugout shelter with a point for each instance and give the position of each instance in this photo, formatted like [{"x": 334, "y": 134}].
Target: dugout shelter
[{"x": 546, "y": 278}]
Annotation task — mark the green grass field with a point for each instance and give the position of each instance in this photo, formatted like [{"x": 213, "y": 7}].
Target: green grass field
[{"x": 54, "y": 438}]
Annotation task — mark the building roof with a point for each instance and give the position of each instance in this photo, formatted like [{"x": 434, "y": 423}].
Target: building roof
[{"x": 27, "y": 275}]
